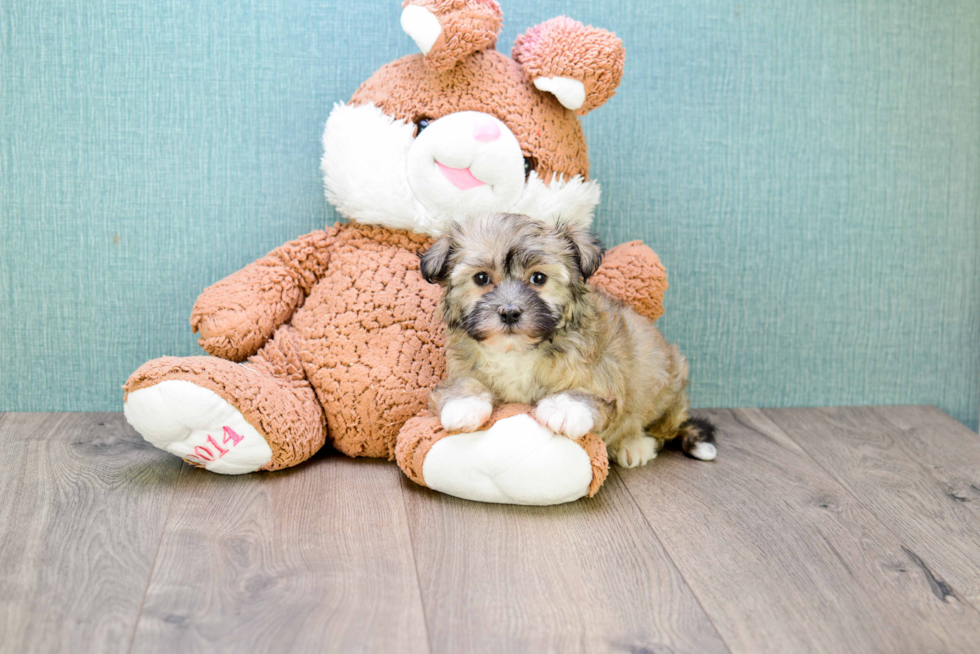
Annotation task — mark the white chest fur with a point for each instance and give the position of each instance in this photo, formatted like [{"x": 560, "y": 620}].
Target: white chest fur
[{"x": 511, "y": 375}]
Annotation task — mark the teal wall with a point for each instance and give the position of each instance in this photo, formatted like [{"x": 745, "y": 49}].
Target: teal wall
[{"x": 809, "y": 170}]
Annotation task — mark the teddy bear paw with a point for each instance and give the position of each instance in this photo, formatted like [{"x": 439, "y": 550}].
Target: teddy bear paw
[{"x": 197, "y": 425}]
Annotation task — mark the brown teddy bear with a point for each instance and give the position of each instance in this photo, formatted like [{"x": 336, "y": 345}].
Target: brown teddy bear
[{"x": 335, "y": 336}]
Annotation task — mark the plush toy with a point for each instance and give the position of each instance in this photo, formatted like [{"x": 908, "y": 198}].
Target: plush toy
[{"x": 335, "y": 337}]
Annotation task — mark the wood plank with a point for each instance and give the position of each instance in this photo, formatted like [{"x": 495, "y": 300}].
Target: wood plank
[
  {"x": 313, "y": 559},
  {"x": 583, "y": 577},
  {"x": 84, "y": 506},
  {"x": 916, "y": 469},
  {"x": 784, "y": 559}
]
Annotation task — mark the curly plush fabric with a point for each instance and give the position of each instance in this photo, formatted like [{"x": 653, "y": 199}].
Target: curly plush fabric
[
  {"x": 236, "y": 315},
  {"x": 489, "y": 81},
  {"x": 562, "y": 47},
  {"x": 270, "y": 391},
  {"x": 423, "y": 431},
  {"x": 467, "y": 26},
  {"x": 360, "y": 354},
  {"x": 338, "y": 336},
  {"x": 633, "y": 273},
  {"x": 371, "y": 337}
]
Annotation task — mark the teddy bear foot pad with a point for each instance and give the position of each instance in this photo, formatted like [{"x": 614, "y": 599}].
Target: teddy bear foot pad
[
  {"x": 515, "y": 461},
  {"x": 197, "y": 425}
]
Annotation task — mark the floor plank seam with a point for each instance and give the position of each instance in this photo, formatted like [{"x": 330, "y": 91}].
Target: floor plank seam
[
  {"x": 671, "y": 558},
  {"x": 156, "y": 555},
  {"x": 415, "y": 563},
  {"x": 914, "y": 558}
]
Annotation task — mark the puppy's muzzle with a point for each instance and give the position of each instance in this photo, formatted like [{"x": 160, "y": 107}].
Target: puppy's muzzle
[{"x": 510, "y": 314}]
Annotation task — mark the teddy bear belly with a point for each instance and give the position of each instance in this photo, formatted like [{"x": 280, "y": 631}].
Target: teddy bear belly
[{"x": 372, "y": 347}]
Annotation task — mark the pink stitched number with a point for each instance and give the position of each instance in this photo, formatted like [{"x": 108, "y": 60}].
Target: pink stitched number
[
  {"x": 221, "y": 451},
  {"x": 230, "y": 435},
  {"x": 202, "y": 452}
]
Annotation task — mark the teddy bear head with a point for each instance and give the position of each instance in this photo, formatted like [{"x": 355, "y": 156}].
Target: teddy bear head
[{"x": 462, "y": 130}]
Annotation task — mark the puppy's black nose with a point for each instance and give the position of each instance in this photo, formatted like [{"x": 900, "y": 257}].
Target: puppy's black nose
[{"x": 509, "y": 313}]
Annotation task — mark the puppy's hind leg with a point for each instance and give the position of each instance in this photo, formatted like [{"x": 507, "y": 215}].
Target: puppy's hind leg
[{"x": 693, "y": 436}]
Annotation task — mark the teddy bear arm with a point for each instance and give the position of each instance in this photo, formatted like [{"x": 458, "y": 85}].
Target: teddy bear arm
[
  {"x": 633, "y": 273},
  {"x": 238, "y": 314}
]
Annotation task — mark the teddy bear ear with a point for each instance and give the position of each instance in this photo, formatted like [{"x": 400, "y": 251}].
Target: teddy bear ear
[
  {"x": 579, "y": 65},
  {"x": 447, "y": 31}
]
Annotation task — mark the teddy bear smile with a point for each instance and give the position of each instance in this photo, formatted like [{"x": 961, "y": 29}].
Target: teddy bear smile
[{"x": 461, "y": 178}]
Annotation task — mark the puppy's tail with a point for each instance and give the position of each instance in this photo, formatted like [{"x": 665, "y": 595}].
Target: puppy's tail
[{"x": 696, "y": 438}]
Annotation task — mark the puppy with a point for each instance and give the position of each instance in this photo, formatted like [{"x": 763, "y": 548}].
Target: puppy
[{"x": 523, "y": 325}]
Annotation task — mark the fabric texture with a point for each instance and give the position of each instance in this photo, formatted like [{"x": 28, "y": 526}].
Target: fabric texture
[
  {"x": 806, "y": 170},
  {"x": 556, "y": 48},
  {"x": 360, "y": 355},
  {"x": 467, "y": 26},
  {"x": 358, "y": 335},
  {"x": 405, "y": 89},
  {"x": 423, "y": 431},
  {"x": 271, "y": 391},
  {"x": 511, "y": 459}
]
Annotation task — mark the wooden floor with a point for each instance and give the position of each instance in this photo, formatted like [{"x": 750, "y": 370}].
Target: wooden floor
[{"x": 816, "y": 530}]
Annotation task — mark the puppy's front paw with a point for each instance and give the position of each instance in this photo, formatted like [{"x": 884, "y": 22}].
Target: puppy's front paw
[
  {"x": 465, "y": 413},
  {"x": 565, "y": 415},
  {"x": 637, "y": 452}
]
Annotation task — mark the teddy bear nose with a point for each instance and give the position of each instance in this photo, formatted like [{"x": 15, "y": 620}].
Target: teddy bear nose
[{"x": 485, "y": 130}]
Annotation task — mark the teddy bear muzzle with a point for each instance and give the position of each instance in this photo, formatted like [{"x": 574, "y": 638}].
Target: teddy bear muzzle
[{"x": 465, "y": 163}]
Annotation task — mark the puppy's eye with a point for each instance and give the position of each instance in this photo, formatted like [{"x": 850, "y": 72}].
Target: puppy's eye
[
  {"x": 539, "y": 278},
  {"x": 529, "y": 165},
  {"x": 421, "y": 124},
  {"x": 481, "y": 279}
]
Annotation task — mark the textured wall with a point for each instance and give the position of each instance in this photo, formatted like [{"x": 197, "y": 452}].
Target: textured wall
[{"x": 809, "y": 170}]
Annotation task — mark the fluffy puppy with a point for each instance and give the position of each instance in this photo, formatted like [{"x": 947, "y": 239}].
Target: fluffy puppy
[{"x": 523, "y": 325}]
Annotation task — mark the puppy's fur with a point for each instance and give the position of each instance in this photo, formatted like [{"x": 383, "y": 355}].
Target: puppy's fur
[{"x": 523, "y": 325}]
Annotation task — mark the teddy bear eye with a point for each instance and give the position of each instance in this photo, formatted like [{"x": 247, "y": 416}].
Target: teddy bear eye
[
  {"x": 481, "y": 279},
  {"x": 529, "y": 165},
  {"x": 420, "y": 124},
  {"x": 539, "y": 278}
]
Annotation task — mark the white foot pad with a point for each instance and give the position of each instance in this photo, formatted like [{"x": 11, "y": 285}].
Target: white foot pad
[
  {"x": 637, "y": 452},
  {"x": 516, "y": 461},
  {"x": 195, "y": 424}
]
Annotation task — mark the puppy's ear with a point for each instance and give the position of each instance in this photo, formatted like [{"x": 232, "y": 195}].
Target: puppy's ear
[
  {"x": 434, "y": 262},
  {"x": 589, "y": 250}
]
